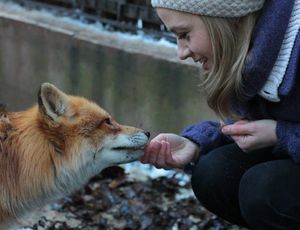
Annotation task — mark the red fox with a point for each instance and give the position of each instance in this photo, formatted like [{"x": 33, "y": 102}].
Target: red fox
[{"x": 55, "y": 147}]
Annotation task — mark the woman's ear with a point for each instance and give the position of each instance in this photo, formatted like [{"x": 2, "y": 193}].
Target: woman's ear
[{"x": 52, "y": 102}]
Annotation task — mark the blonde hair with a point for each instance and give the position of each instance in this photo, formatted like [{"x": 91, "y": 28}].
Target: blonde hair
[{"x": 230, "y": 38}]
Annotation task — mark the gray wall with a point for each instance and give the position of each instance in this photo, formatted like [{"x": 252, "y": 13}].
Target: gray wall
[{"x": 139, "y": 90}]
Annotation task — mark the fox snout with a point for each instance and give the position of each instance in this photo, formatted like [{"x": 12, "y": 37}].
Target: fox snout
[
  {"x": 147, "y": 134},
  {"x": 132, "y": 130}
]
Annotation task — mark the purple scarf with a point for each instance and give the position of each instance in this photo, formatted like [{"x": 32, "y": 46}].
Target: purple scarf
[{"x": 268, "y": 36}]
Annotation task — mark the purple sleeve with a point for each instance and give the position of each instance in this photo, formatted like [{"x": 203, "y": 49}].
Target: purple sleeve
[
  {"x": 207, "y": 134},
  {"x": 288, "y": 135}
]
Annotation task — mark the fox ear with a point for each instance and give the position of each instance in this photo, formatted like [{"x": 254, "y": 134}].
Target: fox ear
[{"x": 52, "y": 101}]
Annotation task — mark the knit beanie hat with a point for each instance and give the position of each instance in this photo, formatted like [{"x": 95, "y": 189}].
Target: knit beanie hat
[{"x": 216, "y": 8}]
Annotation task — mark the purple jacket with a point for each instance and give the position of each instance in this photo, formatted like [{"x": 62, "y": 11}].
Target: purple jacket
[{"x": 266, "y": 44}]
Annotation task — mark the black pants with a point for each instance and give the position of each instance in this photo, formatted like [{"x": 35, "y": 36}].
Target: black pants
[{"x": 253, "y": 189}]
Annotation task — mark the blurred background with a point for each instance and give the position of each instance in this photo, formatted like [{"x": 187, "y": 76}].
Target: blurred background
[{"x": 127, "y": 73}]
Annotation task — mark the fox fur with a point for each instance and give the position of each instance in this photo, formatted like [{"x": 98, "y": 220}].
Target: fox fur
[{"x": 55, "y": 147}]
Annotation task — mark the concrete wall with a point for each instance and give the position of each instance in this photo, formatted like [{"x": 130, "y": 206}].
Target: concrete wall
[{"x": 137, "y": 89}]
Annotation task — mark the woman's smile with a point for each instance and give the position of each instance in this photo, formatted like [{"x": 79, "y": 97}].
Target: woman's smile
[{"x": 193, "y": 40}]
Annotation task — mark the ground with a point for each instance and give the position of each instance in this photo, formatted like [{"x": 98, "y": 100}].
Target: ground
[{"x": 112, "y": 201}]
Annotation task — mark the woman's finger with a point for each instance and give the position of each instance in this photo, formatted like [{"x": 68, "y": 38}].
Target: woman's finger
[
  {"x": 170, "y": 159},
  {"x": 154, "y": 152},
  {"x": 150, "y": 150},
  {"x": 241, "y": 122},
  {"x": 237, "y": 129},
  {"x": 160, "y": 160}
]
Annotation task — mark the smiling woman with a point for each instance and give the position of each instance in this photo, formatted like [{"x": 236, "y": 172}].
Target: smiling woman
[
  {"x": 250, "y": 51},
  {"x": 193, "y": 39},
  {"x": 209, "y": 41}
]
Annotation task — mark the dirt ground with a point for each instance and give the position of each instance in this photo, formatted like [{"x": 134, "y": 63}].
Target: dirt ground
[{"x": 112, "y": 201}]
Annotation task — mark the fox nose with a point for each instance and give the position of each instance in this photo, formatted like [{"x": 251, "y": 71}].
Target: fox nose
[{"x": 147, "y": 134}]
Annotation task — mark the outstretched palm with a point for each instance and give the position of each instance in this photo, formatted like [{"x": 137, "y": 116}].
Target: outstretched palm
[{"x": 170, "y": 151}]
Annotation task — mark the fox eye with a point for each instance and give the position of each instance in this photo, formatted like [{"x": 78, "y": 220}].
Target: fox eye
[
  {"x": 107, "y": 121},
  {"x": 110, "y": 124}
]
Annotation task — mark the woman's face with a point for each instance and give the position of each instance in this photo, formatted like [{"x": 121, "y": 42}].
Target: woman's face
[{"x": 192, "y": 36}]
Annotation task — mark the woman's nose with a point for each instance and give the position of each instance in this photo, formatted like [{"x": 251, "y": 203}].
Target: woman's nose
[{"x": 183, "y": 51}]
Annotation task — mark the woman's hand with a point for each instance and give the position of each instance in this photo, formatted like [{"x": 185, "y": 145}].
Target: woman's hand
[
  {"x": 251, "y": 135},
  {"x": 169, "y": 150}
]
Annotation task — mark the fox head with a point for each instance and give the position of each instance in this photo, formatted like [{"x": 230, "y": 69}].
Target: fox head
[
  {"x": 55, "y": 147},
  {"x": 84, "y": 137}
]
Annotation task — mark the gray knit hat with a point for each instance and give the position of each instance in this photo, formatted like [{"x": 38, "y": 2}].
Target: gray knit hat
[{"x": 217, "y": 8}]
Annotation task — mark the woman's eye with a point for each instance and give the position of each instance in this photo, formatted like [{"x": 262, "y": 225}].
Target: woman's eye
[{"x": 182, "y": 35}]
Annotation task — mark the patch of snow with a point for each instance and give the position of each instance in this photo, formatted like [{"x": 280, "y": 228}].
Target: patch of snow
[
  {"x": 184, "y": 193},
  {"x": 138, "y": 171},
  {"x": 94, "y": 32},
  {"x": 47, "y": 15},
  {"x": 140, "y": 23}
]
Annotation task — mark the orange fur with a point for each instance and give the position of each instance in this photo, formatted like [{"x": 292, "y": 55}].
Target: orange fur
[{"x": 54, "y": 147}]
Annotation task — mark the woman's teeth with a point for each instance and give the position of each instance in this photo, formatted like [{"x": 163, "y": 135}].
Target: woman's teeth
[{"x": 203, "y": 60}]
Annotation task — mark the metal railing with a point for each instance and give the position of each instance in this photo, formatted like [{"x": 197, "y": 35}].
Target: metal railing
[{"x": 122, "y": 15}]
